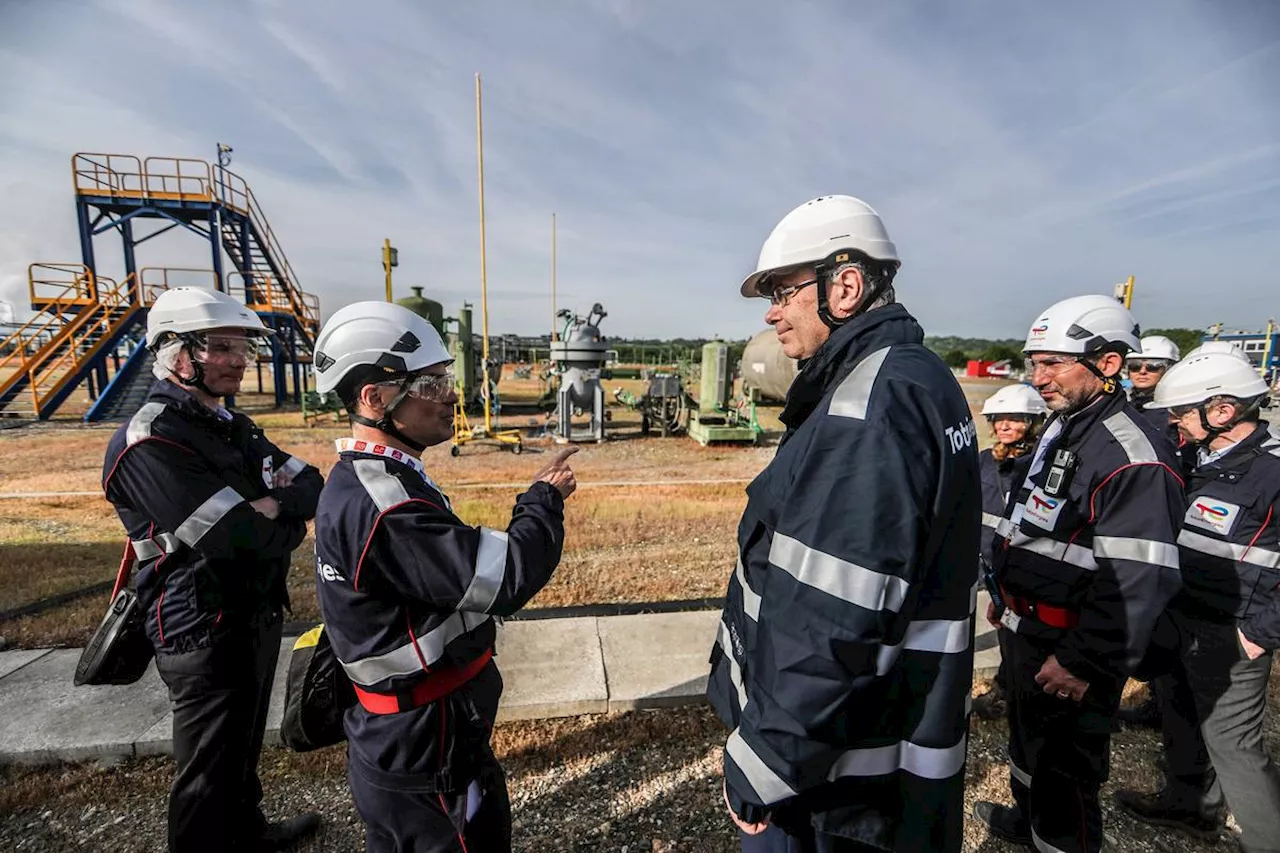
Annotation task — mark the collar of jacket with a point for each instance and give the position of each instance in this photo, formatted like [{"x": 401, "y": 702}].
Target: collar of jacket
[
  {"x": 1241, "y": 456},
  {"x": 866, "y": 333},
  {"x": 1140, "y": 399},
  {"x": 1080, "y": 423},
  {"x": 184, "y": 402}
]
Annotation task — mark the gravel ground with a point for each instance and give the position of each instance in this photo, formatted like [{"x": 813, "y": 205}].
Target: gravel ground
[{"x": 646, "y": 781}]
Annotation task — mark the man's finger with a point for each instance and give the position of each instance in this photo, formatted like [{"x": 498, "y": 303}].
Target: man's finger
[{"x": 565, "y": 454}]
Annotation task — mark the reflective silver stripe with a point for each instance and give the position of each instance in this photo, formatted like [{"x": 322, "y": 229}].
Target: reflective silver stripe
[
  {"x": 140, "y": 423},
  {"x": 491, "y": 568},
  {"x": 1043, "y": 846},
  {"x": 207, "y": 515},
  {"x": 1131, "y": 437},
  {"x": 1005, "y": 526},
  {"x": 149, "y": 549},
  {"x": 854, "y": 394},
  {"x": 844, "y": 580},
  {"x": 735, "y": 671},
  {"x": 1018, "y": 773},
  {"x": 927, "y": 762},
  {"x": 942, "y": 636},
  {"x": 769, "y": 787},
  {"x": 973, "y": 597},
  {"x": 991, "y": 520},
  {"x": 750, "y": 601},
  {"x": 1139, "y": 550},
  {"x": 404, "y": 660},
  {"x": 385, "y": 490},
  {"x": 1063, "y": 552},
  {"x": 293, "y": 467},
  {"x": 1228, "y": 550}
]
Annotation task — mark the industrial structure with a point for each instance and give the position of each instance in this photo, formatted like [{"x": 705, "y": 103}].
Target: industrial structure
[
  {"x": 577, "y": 358},
  {"x": 1261, "y": 348},
  {"x": 719, "y": 416},
  {"x": 767, "y": 371},
  {"x": 88, "y": 326}
]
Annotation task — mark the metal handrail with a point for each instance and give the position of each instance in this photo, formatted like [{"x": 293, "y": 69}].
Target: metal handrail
[
  {"x": 233, "y": 191},
  {"x": 49, "y": 325},
  {"x": 198, "y": 171},
  {"x": 94, "y": 173},
  {"x": 86, "y": 335}
]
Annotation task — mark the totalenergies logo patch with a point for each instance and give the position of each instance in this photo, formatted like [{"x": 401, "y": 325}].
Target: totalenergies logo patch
[
  {"x": 1218, "y": 513},
  {"x": 1040, "y": 330},
  {"x": 1044, "y": 503}
]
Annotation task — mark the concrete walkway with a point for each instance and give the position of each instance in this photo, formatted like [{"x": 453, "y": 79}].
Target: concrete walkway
[{"x": 551, "y": 668}]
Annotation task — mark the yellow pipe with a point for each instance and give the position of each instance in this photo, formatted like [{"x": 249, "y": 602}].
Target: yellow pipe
[
  {"x": 484, "y": 287},
  {"x": 1266, "y": 352},
  {"x": 386, "y": 263}
]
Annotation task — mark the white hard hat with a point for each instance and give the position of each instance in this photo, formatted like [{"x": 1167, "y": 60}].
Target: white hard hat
[
  {"x": 1221, "y": 347},
  {"x": 817, "y": 229},
  {"x": 1082, "y": 325},
  {"x": 1198, "y": 378},
  {"x": 1015, "y": 400},
  {"x": 379, "y": 335},
  {"x": 1157, "y": 347},
  {"x": 183, "y": 310}
]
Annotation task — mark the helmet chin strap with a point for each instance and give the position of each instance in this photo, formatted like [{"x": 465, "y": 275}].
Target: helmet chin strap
[
  {"x": 1109, "y": 383},
  {"x": 196, "y": 381},
  {"x": 387, "y": 425},
  {"x": 1212, "y": 432}
]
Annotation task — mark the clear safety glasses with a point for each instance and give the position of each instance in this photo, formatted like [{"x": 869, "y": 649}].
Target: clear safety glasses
[
  {"x": 1052, "y": 365},
  {"x": 222, "y": 348},
  {"x": 433, "y": 387}
]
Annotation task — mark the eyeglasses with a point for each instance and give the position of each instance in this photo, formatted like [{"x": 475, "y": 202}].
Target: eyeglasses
[
  {"x": 433, "y": 387},
  {"x": 228, "y": 347},
  {"x": 779, "y": 295},
  {"x": 1138, "y": 366},
  {"x": 1053, "y": 365}
]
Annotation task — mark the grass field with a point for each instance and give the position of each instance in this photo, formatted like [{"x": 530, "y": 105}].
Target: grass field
[{"x": 671, "y": 538}]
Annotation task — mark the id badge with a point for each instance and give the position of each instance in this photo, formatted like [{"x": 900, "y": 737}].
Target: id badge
[{"x": 1010, "y": 620}]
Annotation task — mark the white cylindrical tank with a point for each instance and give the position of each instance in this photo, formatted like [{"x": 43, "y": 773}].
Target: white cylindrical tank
[{"x": 766, "y": 368}]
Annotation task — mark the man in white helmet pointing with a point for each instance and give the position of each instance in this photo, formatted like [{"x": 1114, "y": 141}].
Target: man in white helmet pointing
[
  {"x": 409, "y": 592},
  {"x": 845, "y": 657},
  {"x": 213, "y": 512},
  {"x": 1086, "y": 561}
]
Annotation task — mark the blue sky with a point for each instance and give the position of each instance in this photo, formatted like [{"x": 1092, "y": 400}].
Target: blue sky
[{"x": 1019, "y": 152}]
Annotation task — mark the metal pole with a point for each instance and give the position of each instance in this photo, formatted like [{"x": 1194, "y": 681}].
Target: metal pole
[
  {"x": 484, "y": 286},
  {"x": 553, "y": 276},
  {"x": 386, "y": 263}
]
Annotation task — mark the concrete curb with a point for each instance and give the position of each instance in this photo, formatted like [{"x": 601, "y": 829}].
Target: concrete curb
[{"x": 551, "y": 668}]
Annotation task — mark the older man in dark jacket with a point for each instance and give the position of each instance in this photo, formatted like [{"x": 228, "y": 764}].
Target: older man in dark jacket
[{"x": 845, "y": 655}]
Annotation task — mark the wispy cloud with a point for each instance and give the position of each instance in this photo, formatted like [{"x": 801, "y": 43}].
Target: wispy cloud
[{"x": 1019, "y": 154}]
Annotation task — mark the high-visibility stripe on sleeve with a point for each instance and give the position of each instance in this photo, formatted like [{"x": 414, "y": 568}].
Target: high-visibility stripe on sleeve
[
  {"x": 293, "y": 466},
  {"x": 1132, "y": 439},
  {"x": 1228, "y": 550},
  {"x": 940, "y": 636},
  {"x": 208, "y": 514},
  {"x": 491, "y": 567},
  {"x": 840, "y": 578},
  {"x": 768, "y": 786},
  {"x": 735, "y": 671}
]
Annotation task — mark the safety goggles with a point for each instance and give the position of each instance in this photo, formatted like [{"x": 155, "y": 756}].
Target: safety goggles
[
  {"x": 779, "y": 295},
  {"x": 1052, "y": 365},
  {"x": 1182, "y": 411},
  {"x": 433, "y": 387},
  {"x": 1143, "y": 365},
  {"x": 229, "y": 347}
]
